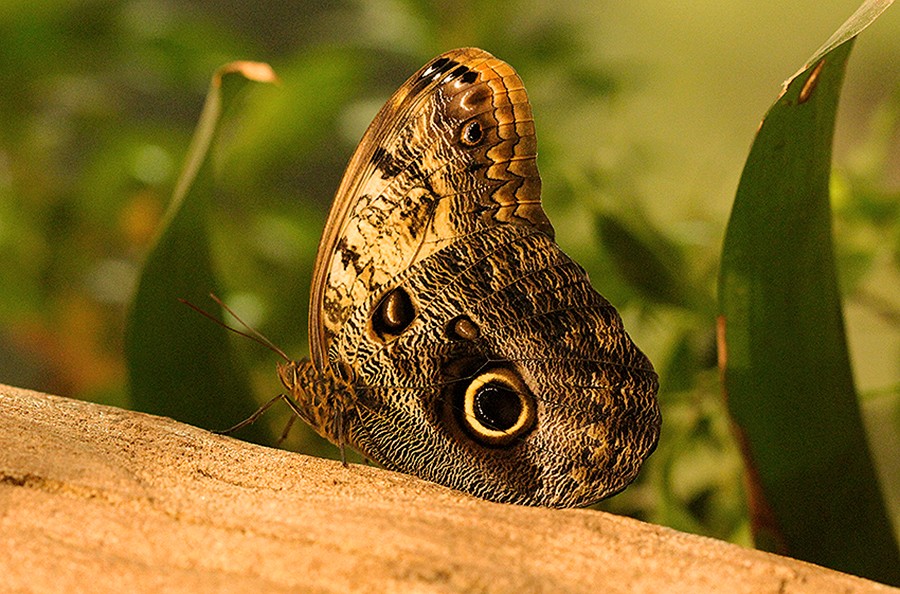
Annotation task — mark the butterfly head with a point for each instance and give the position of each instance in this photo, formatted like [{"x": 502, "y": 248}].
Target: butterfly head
[{"x": 323, "y": 400}]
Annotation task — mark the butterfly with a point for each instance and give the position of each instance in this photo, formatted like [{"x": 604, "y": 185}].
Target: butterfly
[{"x": 450, "y": 337}]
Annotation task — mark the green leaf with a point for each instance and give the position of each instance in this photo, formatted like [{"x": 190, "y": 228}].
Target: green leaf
[
  {"x": 181, "y": 364},
  {"x": 813, "y": 489},
  {"x": 648, "y": 261}
]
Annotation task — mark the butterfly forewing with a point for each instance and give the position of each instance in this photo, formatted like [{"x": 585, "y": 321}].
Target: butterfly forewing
[{"x": 421, "y": 178}]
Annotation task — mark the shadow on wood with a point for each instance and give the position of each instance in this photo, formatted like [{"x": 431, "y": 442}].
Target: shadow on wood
[{"x": 100, "y": 499}]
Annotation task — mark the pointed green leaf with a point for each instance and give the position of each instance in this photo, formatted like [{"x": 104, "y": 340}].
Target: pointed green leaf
[
  {"x": 783, "y": 352},
  {"x": 181, "y": 364}
]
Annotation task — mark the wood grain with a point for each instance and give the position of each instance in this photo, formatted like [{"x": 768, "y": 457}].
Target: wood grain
[{"x": 99, "y": 499}]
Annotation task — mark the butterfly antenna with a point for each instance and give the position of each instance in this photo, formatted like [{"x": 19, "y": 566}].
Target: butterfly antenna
[{"x": 252, "y": 333}]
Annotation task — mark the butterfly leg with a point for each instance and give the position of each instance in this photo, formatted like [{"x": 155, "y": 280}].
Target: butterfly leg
[
  {"x": 287, "y": 429},
  {"x": 259, "y": 412}
]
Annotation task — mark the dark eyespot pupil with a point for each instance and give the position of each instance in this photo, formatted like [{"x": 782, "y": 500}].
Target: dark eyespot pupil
[
  {"x": 472, "y": 133},
  {"x": 394, "y": 314},
  {"x": 397, "y": 310},
  {"x": 497, "y": 407}
]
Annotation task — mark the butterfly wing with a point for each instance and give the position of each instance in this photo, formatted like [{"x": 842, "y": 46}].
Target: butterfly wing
[
  {"x": 451, "y": 152},
  {"x": 465, "y": 347}
]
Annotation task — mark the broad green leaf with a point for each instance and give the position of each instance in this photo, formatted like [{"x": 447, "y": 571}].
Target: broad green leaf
[
  {"x": 814, "y": 493},
  {"x": 181, "y": 364}
]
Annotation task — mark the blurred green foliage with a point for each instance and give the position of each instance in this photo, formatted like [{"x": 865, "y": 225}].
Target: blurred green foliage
[{"x": 644, "y": 117}]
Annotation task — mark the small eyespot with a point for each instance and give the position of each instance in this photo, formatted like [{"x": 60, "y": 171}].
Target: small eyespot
[
  {"x": 393, "y": 314},
  {"x": 461, "y": 328},
  {"x": 496, "y": 408},
  {"x": 472, "y": 133}
]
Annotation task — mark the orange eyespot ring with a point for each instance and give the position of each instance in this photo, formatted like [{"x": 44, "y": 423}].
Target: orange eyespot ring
[{"x": 497, "y": 409}]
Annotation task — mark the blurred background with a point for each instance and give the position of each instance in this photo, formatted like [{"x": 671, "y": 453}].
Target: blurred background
[{"x": 645, "y": 112}]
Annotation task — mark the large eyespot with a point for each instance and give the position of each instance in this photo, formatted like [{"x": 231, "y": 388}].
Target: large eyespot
[
  {"x": 471, "y": 133},
  {"x": 393, "y": 314},
  {"x": 496, "y": 408}
]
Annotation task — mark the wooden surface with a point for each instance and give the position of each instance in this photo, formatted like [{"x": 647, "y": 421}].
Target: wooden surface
[{"x": 98, "y": 499}]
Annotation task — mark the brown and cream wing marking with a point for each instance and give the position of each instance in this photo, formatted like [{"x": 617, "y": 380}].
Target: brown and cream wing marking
[{"x": 450, "y": 154}]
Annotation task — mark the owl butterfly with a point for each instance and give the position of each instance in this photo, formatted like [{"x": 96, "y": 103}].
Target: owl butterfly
[{"x": 450, "y": 337}]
